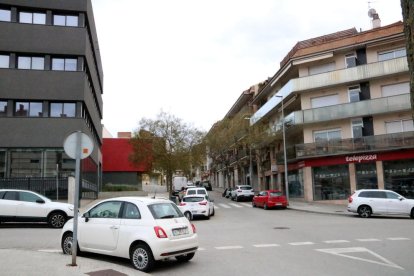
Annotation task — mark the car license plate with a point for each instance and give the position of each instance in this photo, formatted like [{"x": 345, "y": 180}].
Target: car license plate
[
  {"x": 180, "y": 231},
  {"x": 278, "y": 204}
]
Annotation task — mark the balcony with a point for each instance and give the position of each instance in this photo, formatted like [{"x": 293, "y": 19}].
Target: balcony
[
  {"x": 343, "y": 76},
  {"x": 385, "y": 142}
]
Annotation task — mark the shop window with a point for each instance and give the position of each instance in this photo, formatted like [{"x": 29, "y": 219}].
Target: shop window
[
  {"x": 4, "y": 61},
  {"x": 32, "y": 18},
  {"x": 396, "y": 53},
  {"x": 62, "y": 110},
  {"x": 295, "y": 180},
  {"x": 399, "y": 177},
  {"x": 366, "y": 176},
  {"x": 5, "y": 15},
  {"x": 331, "y": 182},
  {"x": 3, "y": 108}
]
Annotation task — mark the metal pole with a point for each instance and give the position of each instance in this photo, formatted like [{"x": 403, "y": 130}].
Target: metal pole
[
  {"x": 76, "y": 203},
  {"x": 57, "y": 181},
  {"x": 284, "y": 153},
  {"x": 251, "y": 166}
]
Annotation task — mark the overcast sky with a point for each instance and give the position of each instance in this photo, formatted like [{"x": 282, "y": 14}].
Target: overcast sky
[{"x": 193, "y": 58}]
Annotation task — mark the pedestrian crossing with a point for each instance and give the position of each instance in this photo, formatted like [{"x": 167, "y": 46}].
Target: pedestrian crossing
[{"x": 232, "y": 205}]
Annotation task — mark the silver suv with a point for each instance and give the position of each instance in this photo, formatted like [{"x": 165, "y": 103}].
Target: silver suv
[
  {"x": 379, "y": 202},
  {"x": 242, "y": 192}
]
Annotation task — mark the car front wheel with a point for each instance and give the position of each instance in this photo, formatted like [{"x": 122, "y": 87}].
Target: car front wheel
[
  {"x": 141, "y": 257},
  {"x": 57, "y": 220},
  {"x": 67, "y": 244},
  {"x": 364, "y": 211},
  {"x": 185, "y": 257}
]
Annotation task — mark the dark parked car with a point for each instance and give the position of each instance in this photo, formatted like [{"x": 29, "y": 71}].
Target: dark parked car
[{"x": 207, "y": 185}]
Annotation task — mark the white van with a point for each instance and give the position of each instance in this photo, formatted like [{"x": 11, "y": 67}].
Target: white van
[{"x": 179, "y": 182}]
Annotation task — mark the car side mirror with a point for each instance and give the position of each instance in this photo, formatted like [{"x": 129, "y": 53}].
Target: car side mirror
[
  {"x": 86, "y": 216},
  {"x": 41, "y": 201}
]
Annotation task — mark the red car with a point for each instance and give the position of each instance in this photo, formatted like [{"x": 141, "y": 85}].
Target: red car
[{"x": 270, "y": 199}]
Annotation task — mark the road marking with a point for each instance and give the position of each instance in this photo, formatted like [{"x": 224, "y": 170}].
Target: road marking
[
  {"x": 224, "y": 205},
  {"x": 228, "y": 247},
  {"x": 50, "y": 250},
  {"x": 368, "y": 240},
  {"x": 246, "y": 204},
  {"x": 398, "y": 239},
  {"x": 342, "y": 251},
  {"x": 336, "y": 241},
  {"x": 235, "y": 205},
  {"x": 266, "y": 245},
  {"x": 301, "y": 243}
]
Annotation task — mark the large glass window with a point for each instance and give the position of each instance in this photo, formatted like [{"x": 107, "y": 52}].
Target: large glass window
[
  {"x": 34, "y": 63},
  {"x": 32, "y": 18},
  {"x": 66, "y": 20},
  {"x": 57, "y": 160},
  {"x": 5, "y": 15},
  {"x": 396, "y": 53},
  {"x": 3, "y": 108},
  {"x": 64, "y": 64},
  {"x": 28, "y": 109},
  {"x": 4, "y": 61},
  {"x": 331, "y": 182},
  {"x": 366, "y": 176},
  {"x": 62, "y": 110},
  {"x": 399, "y": 177},
  {"x": 295, "y": 183},
  {"x": 25, "y": 164},
  {"x": 326, "y": 135}
]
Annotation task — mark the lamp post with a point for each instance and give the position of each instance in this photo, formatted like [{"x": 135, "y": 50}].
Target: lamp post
[{"x": 284, "y": 150}]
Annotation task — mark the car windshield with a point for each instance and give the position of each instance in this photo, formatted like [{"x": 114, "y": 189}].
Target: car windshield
[
  {"x": 275, "y": 193},
  {"x": 164, "y": 211},
  {"x": 193, "y": 199}
]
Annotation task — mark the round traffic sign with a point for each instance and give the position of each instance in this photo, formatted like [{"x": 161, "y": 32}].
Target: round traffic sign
[{"x": 71, "y": 145}]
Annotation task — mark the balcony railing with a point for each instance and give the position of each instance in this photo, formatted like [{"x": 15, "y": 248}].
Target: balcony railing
[
  {"x": 348, "y": 146},
  {"x": 348, "y": 75}
]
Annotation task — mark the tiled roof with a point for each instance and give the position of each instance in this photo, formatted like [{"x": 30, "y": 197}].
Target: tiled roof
[{"x": 340, "y": 39}]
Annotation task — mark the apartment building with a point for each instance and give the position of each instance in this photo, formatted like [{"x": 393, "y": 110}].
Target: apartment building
[
  {"x": 51, "y": 84},
  {"x": 344, "y": 99}
]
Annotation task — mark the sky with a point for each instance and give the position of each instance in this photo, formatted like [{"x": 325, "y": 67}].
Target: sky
[{"x": 194, "y": 58}]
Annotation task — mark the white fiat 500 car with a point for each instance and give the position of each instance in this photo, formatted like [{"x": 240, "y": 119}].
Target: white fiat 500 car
[
  {"x": 141, "y": 229},
  {"x": 28, "y": 206},
  {"x": 379, "y": 202},
  {"x": 197, "y": 205}
]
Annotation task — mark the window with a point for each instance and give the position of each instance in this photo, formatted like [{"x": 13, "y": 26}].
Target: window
[
  {"x": 350, "y": 60},
  {"x": 5, "y": 15},
  {"x": 65, "y": 20},
  {"x": 318, "y": 69},
  {"x": 396, "y": 53},
  {"x": 25, "y": 163},
  {"x": 399, "y": 126},
  {"x": 29, "y": 197},
  {"x": 11, "y": 195},
  {"x": 62, "y": 110},
  {"x": 353, "y": 93},
  {"x": 64, "y": 64},
  {"x": 131, "y": 211},
  {"x": 28, "y": 109},
  {"x": 324, "y": 101},
  {"x": 32, "y": 18},
  {"x": 3, "y": 108},
  {"x": 327, "y": 135},
  {"x": 395, "y": 89},
  {"x": 4, "y": 61},
  {"x": 108, "y": 209},
  {"x": 357, "y": 126},
  {"x": 35, "y": 63}
]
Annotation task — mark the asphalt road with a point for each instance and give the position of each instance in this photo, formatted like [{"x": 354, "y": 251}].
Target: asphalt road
[{"x": 241, "y": 240}]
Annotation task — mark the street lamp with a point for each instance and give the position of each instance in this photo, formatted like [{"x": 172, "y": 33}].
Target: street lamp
[{"x": 284, "y": 150}]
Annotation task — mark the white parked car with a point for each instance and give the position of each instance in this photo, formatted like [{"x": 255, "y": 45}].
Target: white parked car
[
  {"x": 28, "y": 206},
  {"x": 379, "y": 202},
  {"x": 242, "y": 192},
  {"x": 197, "y": 205},
  {"x": 141, "y": 229}
]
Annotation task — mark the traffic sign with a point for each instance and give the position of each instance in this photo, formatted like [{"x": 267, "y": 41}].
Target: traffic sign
[{"x": 71, "y": 142}]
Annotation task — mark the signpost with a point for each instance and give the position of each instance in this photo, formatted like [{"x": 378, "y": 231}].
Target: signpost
[{"x": 77, "y": 146}]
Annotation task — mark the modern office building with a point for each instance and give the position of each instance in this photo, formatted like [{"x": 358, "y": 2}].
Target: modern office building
[
  {"x": 51, "y": 85},
  {"x": 344, "y": 99}
]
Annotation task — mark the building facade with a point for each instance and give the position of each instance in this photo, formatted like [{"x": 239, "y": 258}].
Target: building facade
[
  {"x": 51, "y": 85},
  {"x": 342, "y": 101}
]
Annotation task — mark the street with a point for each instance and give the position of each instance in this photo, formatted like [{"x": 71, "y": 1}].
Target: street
[{"x": 242, "y": 240}]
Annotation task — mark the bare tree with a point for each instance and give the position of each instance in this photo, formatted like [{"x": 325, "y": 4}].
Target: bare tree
[
  {"x": 168, "y": 144},
  {"x": 407, "y": 7}
]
